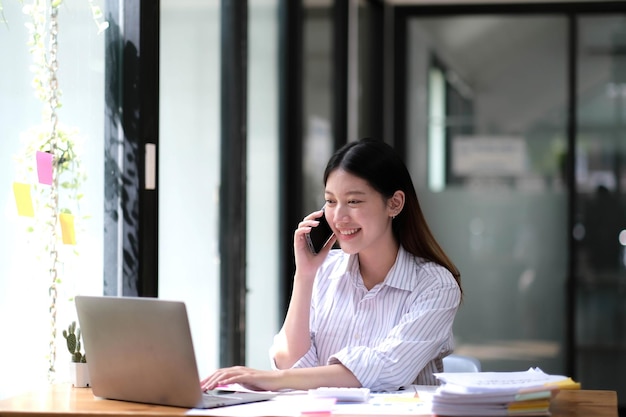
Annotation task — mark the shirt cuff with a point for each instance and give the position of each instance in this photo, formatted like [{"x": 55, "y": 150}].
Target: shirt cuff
[{"x": 352, "y": 362}]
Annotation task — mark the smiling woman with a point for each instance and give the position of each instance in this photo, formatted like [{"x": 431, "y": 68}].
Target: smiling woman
[{"x": 376, "y": 313}]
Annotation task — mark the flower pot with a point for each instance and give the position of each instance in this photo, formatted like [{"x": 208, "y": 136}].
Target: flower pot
[{"x": 79, "y": 375}]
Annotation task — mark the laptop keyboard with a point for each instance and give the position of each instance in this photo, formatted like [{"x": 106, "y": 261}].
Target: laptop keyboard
[{"x": 211, "y": 399}]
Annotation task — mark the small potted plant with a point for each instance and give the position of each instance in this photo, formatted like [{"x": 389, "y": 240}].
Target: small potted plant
[{"x": 79, "y": 372}]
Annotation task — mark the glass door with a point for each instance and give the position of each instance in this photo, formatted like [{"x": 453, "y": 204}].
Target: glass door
[
  {"x": 486, "y": 139},
  {"x": 488, "y": 109},
  {"x": 600, "y": 230}
]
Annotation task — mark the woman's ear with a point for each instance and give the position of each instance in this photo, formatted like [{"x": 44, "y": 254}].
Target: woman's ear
[{"x": 396, "y": 203}]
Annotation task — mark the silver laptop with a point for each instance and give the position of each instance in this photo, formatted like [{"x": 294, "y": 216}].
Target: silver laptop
[{"x": 141, "y": 350}]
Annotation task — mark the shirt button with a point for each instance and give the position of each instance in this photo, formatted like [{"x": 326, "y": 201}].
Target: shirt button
[{"x": 356, "y": 337}]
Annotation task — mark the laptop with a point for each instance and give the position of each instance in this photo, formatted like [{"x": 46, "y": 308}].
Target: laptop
[{"x": 141, "y": 350}]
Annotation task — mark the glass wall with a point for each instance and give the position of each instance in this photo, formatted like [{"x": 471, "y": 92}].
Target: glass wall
[
  {"x": 25, "y": 280},
  {"x": 189, "y": 167},
  {"x": 189, "y": 173},
  {"x": 487, "y": 141},
  {"x": 486, "y": 137},
  {"x": 262, "y": 307}
]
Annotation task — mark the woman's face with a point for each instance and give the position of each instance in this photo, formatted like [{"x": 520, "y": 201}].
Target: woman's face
[{"x": 358, "y": 214}]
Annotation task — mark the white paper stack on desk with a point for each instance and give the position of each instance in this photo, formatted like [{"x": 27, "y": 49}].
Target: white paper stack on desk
[{"x": 526, "y": 393}]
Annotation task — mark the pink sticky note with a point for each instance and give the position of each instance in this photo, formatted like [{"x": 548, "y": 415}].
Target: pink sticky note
[
  {"x": 317, "y": 407},
  {"x": 44, "y": 167}
]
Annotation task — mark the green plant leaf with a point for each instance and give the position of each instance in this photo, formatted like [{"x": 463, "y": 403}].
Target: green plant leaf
[{"x": 71, "y": 343}]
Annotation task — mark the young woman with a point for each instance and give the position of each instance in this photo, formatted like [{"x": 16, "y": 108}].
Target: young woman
[{"x": 376, "y": 313}]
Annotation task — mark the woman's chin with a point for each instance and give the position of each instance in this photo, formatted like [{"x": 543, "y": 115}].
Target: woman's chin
[{"x": 348, "y": 248}]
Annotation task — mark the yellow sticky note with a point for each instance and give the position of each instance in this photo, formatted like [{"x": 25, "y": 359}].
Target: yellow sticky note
[
  {"x": 23, "y": 199},
  {"x": 67, "y": 228},
  {"x": 567, "y": 383}
]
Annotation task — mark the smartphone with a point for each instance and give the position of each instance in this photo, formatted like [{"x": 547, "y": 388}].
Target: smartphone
[{"x": 319, "y": 235}]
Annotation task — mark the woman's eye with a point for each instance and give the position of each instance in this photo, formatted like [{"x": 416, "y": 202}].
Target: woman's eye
[{"x": 353, "y": 202}]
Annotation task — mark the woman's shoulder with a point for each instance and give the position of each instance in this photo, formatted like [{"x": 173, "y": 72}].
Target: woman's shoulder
[{"x": 426, "y": 272}]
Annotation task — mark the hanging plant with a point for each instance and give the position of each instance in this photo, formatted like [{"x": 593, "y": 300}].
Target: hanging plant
[{"x": 51, "y": 153}]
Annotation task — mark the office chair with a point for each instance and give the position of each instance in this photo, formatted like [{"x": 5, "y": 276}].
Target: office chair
[{"x": 460, "y": 363}]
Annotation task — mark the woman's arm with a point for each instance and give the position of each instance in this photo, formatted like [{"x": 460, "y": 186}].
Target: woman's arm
[
  {"x": 335, "y": 375},
  {"x": 294, "y": 339}
]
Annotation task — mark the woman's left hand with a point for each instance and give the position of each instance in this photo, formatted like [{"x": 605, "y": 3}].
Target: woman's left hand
[{"x": 250, "y": 378}]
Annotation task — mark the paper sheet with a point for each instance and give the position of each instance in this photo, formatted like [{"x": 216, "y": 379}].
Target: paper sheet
[
  {"x": 504, "y": 382},
  {"x": 415, "y": 400}
]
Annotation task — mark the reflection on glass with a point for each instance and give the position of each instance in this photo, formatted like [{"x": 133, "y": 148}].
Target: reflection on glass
[{"x": 436, "y": 130}]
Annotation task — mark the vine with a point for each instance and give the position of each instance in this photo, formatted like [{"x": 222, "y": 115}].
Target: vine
[{"x": 62, "y": 195}]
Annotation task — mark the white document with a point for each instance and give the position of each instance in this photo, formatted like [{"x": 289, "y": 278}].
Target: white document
[
  {"x": 414, "y": 400},
  {"x": 496, "y": 382}
]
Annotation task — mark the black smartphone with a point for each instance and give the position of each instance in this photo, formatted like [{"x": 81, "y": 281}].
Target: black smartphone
[{"x": 319, "y": 235}]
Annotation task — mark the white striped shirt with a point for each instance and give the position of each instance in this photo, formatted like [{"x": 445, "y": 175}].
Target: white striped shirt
[{"x": 390, "y": 336}]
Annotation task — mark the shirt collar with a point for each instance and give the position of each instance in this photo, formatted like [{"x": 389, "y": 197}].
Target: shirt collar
[{"x": 397, "y": 277}]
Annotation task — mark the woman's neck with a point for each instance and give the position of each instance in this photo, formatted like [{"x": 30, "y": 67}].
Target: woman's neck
[{"x": 375, "y": 263}]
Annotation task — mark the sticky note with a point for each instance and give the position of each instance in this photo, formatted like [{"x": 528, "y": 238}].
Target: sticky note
[
  {"x": 317, "y": 407},
  {"x": 44, "y": 167},
  {"x": 23, "y": 199},
  {"x": 67, "y": 228}
]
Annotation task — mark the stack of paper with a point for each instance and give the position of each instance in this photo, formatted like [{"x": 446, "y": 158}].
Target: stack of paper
[{"x": 498, "y": 393}]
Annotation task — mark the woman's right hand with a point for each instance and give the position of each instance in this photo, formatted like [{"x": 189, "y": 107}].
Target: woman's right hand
[{"x": 307, "y": 263}]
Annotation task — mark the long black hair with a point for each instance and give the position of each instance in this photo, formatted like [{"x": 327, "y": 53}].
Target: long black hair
[{"x": 377, "y": 163}]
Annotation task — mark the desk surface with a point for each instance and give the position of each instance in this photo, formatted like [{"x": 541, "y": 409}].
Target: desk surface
[{"x": 59, "y": 400}]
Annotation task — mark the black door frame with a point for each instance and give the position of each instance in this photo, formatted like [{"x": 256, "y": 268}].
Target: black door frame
[{"x": 131, "y": 128}]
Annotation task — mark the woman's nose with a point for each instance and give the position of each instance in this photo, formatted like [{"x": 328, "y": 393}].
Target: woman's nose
[{"x": 339, "y": 213}]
